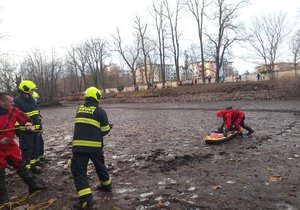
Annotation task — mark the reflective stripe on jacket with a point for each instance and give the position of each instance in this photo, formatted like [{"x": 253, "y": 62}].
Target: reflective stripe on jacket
[
  {"x": 91, "y": 124},
  {"x": 29, "y": 107}
]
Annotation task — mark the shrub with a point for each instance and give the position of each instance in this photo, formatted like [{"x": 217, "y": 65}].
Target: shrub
[{"x": 120, "y": 88}]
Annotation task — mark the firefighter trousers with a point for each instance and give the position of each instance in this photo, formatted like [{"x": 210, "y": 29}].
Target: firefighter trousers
[
  {"x": 30, "y": 146},
  {"x": 79, "y": 170}
]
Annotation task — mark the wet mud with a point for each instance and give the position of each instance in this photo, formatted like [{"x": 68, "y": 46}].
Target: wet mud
[{"x": 158, "y": 160}]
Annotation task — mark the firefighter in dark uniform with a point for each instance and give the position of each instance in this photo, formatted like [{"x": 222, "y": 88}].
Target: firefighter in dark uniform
[
  {"x": 41, "y": 153},
  {"x": 29, "y": 141},
  {"x": 91, "y": 124}
]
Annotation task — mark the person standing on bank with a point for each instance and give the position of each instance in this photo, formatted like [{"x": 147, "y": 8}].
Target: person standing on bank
[
  {"x": 209, "y": 79},
  {"x": 29, "y": 144},
  {"x": 91, "y": 124}
]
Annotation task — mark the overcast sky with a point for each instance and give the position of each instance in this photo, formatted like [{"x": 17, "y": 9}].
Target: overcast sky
[{"x": 46, "y": 24}]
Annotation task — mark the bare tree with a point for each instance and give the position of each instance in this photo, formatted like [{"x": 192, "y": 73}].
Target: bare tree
[
  {"x": 160, "y": 25},
  {"x": 96, "y": 52},
  {"x": 130, "y": 54},
  {"x": 77, "y": 58},
  {"x": 295, "y": 48},
  {"x": 7, "y": 75},
  {"x": 154, "y": 69},
  {"x": 173, "y": 16},
  {"x": 141, "y": 30},
  {"x": 186, "y": 67},
  {"x": 35, "y": 66},
  {"x": 69, "y": 82},
  {"x": 72, "y": 69},
  {"x": 197, "y": 8},
  {"x": 54, "y": 70},
  {"x": 227, "y": 32},
  {"x": 266, "y": 34}
]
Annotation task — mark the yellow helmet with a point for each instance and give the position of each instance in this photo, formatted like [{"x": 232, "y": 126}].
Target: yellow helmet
[
  {"x": 93, "y": 92},
  {"x": 26, "y": 86},
  {"x": 35, "y": 95}
]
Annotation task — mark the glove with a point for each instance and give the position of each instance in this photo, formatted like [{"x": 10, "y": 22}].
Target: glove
[
  {"x": 220, "y": 130},
  {"x": 5, "y": 141},
  {"x": 111, "y": 125},
  {"x": 29, "y": 126},
  {"x": 225, "y": 132}
]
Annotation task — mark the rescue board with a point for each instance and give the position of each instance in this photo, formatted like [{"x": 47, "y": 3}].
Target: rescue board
[{"x": 217, "y": 138}]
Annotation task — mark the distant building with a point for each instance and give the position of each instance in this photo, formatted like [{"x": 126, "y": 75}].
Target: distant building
[
  {"x": 154, "y": 73},
  {"x": 281, "y": 66},
  {"x": 210, "y": 69}
]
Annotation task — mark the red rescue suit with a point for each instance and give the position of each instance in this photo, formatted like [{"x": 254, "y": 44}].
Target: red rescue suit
[
  {"x": 233, "y": 116},
  {"x": 10, "y": 152}
]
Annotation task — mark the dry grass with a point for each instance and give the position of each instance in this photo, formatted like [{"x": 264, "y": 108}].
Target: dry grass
[
  {"x": 199, "y": 88},
  {"x": 287, "y": 85}
]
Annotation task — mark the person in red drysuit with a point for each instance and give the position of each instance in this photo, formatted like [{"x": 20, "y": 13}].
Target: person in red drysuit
[
  {"x": 9, "y": 150},
  {"x": 233, "y": 117}
]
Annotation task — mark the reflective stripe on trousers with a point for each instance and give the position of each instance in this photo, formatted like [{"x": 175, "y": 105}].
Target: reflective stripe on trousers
[
  {"x": 106, "y": 183},
  {"x": 84, "y": 192},
  {"x": 87, "y": 143}
]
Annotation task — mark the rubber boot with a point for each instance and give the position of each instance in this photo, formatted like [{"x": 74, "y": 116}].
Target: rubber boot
[
  {"x": 220, "y": 130},
  {"x": 250, "y": 130},
  {"x": 35, "y": 169},
  {"x": 44, "y": 160},
  {"x": 29, "y": 179},
  {"x": 39, "y": 163},
  {"x": 3, "y": 191},
  {"x": 105, "y": 188},
  {"x": 84, "y": 206}
]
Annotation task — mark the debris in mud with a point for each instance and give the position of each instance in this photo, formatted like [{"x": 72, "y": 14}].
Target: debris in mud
[
  {"x": 216, "y": 187},
  {"x": 167, "y": 181},
  {"x": 124, "y": 190},
  {"x": 230, "y": 182},
  {"x": 276, "y": 178},
  {"x": 265, "y": 138},
  {"x": 192, "y": 189},
  {"x": 252, "y": 147},
  {"x": 293, "y": 194},
  {"x": 145, "y": 195}
]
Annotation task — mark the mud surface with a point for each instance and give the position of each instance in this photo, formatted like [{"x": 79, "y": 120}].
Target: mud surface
[{"x": 157, "y": 158}]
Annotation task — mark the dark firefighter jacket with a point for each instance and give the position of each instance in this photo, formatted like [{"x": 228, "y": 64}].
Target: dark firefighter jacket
[
  {"x": 91, "y": 124},
  {"x": 29, "y": 107}
]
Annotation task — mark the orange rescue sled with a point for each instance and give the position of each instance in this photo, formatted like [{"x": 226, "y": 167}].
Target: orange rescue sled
[{"x": 217, "y": 138}]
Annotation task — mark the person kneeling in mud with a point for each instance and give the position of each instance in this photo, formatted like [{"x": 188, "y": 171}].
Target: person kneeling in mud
[
  {"x": 233, "y": 117},
  {"x": 9, "y": 150}
]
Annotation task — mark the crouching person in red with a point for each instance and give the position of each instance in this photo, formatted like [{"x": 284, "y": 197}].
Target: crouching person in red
[
  {"x": 9, "y": 150},
  {"x": 233, "y": 117}
]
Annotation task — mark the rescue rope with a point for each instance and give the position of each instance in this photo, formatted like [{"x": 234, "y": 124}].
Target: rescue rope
[
  {"x": 11, "y": 204},
  {"x": 43, "y": 205},
  {"x": 10, "y": 129},
  {"x": 17, "y": 128}
]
